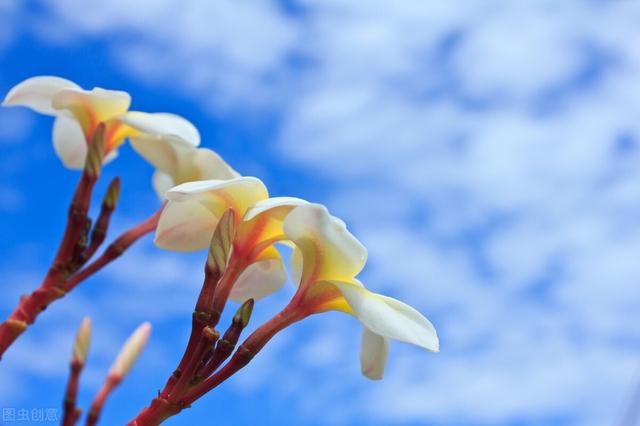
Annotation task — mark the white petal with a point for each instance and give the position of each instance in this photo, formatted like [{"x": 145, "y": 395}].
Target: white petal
[
  {"x": 185, "y": 226},
  {"x": 285, "y": 204},
  {"x": 162, "y": 182},
  {"x": 262, "y": 224},
  {"x": 210, "y": 165},
  {"x": 219, "y": 195},
  {"x": 37, "y": 93},
  {"x": 69, "y": 142},
  {"x": 162, "y": 154},
  {"x": 389, "y": 317},
  {"x": 163, "y": 124},
  {"x": 330, "y": 251},
  {"x": 374, "y": 351},
  {"x": 91, "y": 107},
  {"x": 260, "y": 279}
]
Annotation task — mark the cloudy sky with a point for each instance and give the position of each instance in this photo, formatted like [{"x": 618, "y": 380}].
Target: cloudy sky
[{"x": 486, "y": 153}]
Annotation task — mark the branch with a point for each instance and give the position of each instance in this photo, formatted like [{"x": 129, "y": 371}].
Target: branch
[
  {"x": 98, "y": 403},
  {"x": 71, "y": 412},
  {"x": 115, "y": 250}
]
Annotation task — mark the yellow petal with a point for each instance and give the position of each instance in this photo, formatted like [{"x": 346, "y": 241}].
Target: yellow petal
[
  {"x": 218, "y": 196},
  {"x": 263, "y": 223},
  {"x": 329, "y": 250},
  {"x": 92, "y": 107}
]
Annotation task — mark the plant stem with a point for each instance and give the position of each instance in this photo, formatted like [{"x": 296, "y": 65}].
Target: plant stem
[
  {"x": 247, "y": 350},
  {"x": 159, "y": 410},
  {"x": 98, "y": 403},
  {"x": 115, "y": 249},
  {"x": 56, "y": 284},
  {"x": 71, "y": 412},
  {"x": 51, "y": 287}
]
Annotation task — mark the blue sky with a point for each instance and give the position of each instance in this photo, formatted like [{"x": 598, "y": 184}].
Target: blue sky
[{"x": 486, "y": 153}]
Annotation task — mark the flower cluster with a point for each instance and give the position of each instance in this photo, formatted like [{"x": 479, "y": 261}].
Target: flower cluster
[{"x": 208, "y": 205}]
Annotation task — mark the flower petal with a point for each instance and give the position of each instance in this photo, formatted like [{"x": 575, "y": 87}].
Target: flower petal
[
  {"x": 219, "y": 195},
  {"x": 161, "y": 153},
  {"x": 163, "y": 124},
  {"x": 185, "y": 226},
  {"x": 92, "y": 107},
  {"x": 260, "y": 279},
  {"x": 69, "y": 142},
  {"x": 210, "y": 165},
  {"x": 374, "y": 351},
  {"x": 277, "y": 207},
  {"x": 329, "y": 250},
  {"x": 262, "y": 224},
  {"x": 162, "y": 182},
  {"x": 180, "y": 160},
  {"x": 389, "y": 317},
  {"x": 37, "y": 93}
]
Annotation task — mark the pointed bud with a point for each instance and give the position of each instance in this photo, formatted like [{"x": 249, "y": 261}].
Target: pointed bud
[
  {"x": 81, "y": 344},
  {"x": 112, "y": 196},
  {"x": 130, "y": 351},
  {"x": 221, "y": 242},
  {"x": 95, "y": 154},
  {"x": 243, "y": 314}
]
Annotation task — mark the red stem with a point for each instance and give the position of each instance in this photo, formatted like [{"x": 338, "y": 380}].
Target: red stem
[
  {"x": 71, "y": 412},
  {"x": 115, "y": 249},
  {"x": 51, "y": 287},
  {"x": 162, "y": 408},
  {"x": 98, "y": 403},
  {"x": 55, "y": 284},
  {"x": 159, "y": 410},
  {"x": 247, "y": 350}
]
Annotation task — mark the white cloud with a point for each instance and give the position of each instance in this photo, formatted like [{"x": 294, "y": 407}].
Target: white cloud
[
  {"x": 234, "y": 51},
  {"x": 509, "y": 216}
]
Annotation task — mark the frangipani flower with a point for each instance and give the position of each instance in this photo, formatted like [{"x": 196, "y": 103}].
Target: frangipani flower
[
  {"x": 192, "y": 213},
  {"x": 78, "y": 113},
  {"x": 325, "y": 262},
  {"x": 173, "y": 151}
]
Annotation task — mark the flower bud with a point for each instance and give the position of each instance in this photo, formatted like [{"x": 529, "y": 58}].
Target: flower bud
[
  {"x": 113, "y": 194},
  {"x": 243, "y": 314},
  {"x": 130, "y": 351},
  {"x": 222, "y": 242},
  {"x": 82, "y": 342}
]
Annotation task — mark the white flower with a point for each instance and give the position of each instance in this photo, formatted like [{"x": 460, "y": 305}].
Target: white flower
[
  {"x": 78, "y": 113},
  {"x": 325, "y": 262}
]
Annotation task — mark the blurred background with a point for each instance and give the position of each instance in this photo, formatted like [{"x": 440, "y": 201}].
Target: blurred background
[{"x": 487, "y": 154}]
